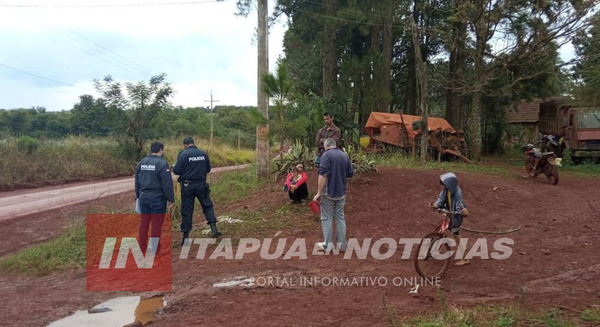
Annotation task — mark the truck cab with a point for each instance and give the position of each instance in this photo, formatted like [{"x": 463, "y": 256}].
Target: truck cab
[{"x": 582, "y": 132}]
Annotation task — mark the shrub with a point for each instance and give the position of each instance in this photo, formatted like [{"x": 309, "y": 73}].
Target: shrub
[
  {"x": 360, "y": 162},
  {"x": 27, "y": 144}
]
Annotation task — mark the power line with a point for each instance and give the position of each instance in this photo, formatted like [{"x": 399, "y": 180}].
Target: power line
[
  {"x": 122, "y": 66},
  {"x": 113, "y": 6},
  {"x": 127, "y": 61},
  {"x": 38, "y": 76}
]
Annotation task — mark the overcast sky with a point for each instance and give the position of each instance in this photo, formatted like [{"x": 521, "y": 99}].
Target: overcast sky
[{"x": 52, "y": 50}]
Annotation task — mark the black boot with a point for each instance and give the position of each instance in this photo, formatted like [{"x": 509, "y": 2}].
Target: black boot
[
  {"x": 185, "y": 235},
  {"x": 215, "y": 230}
]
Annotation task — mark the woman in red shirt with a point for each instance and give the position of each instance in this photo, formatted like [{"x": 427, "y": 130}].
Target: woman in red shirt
[{"x": 296, "y": 184}]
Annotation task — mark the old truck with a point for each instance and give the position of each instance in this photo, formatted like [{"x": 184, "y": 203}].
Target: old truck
[{"x": 577, "y": 128}]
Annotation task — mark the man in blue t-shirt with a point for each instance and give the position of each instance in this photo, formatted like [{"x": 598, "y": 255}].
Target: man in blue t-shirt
[{"x": 334, "y": 168}]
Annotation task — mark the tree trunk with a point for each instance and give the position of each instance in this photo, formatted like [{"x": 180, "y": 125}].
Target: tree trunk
[
  {"x": 421, "y": 88},
  {"x": 454, "y": 97},
  {"x": 386, "y": 67},
  {"x": 382, "y": 64},
  {"x": 329, "y": 49},
  {"x": 474, "y": 122},
  {"x": 262, "y": 132},
  {"x": 412, "y": 91},
  {"x": 281, "y": 122}
]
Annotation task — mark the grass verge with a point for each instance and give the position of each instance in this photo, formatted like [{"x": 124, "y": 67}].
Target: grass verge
[
  {"x": 498, "y": 316},
  {"x": 408, "y": 162},
  {"x": 235, "y": 185},
  {"x": 64, "y": 252}
]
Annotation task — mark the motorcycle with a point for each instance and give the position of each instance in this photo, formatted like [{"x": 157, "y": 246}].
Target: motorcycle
[
  {"x": 552, "y": 143},
  {"x": 538, "y": 162}
]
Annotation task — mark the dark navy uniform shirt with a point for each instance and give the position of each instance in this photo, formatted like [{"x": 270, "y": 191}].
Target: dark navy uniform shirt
[
  {"x": 192, "y": 165},
  {"x": 153, "y": 180}
]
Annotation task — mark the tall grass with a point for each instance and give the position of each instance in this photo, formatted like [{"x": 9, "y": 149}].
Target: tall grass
[
  {"x": 70, "y": 158},
  {"x": 220, "y": 154},
  {"x": 27, "y": 161}
]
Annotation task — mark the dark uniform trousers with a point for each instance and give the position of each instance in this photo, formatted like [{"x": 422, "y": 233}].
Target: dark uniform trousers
[
  {"x": 153, "y": 214},
  {"x": 189, "y": 193}
]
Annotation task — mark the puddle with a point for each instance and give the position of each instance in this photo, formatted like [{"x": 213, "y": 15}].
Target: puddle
[
  {"x": 237, "y": 281},
  {"x": 116, "y": 312},
  {"x": 146, "y": 309}
]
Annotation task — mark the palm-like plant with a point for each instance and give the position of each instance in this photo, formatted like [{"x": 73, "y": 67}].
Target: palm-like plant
[
  {"x": 279, "y": 87},
  {"x": 360, "y": 161}
]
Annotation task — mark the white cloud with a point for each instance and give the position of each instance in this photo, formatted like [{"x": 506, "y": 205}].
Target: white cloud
[{"x": 200, "y": 47}]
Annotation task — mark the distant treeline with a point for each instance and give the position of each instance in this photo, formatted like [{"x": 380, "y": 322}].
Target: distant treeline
[{"x": 91, "y": 117}]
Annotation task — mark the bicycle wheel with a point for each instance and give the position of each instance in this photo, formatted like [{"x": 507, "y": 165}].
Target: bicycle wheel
[{"x": 433, "y": 256}]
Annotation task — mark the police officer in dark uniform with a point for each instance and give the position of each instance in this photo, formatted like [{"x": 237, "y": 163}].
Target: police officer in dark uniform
[
  {"x": 192, "y": 166},
  {"x": 154, "y": 192}
]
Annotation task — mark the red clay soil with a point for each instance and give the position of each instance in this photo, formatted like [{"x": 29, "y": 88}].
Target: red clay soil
[{"x": 554, "y": 261}]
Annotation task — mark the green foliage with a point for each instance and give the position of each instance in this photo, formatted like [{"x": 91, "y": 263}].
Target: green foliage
[
  {"x": 140, "y": 102},
  {"x": 27, "y": 144},
  {"x": 298, "y": 153},
  {"x": 554, "y": 318},
  {"x": 35, "y": 122},
  {"x": 307, "y": 113},
  {"x": 579, "y": 167},
  {"x": 360, "y": 161},
  {"x": 236, "y": 185},
  {"x": 491, "y": 316},
  {"x": 504, "y": 321},
  {"x": 592, "y": 315},
  {"x": 92, "y": 117},
  {"x": 587, "y": 69}
]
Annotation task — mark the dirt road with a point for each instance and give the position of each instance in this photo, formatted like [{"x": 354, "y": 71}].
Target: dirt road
[{"x": 35, "y": 202}]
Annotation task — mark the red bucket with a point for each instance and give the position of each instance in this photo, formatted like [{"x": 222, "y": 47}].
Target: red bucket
[{"x": 315, "y": 207}]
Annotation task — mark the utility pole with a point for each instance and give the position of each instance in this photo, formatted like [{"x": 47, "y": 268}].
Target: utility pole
[
  {"x": 262, "y": 131},
  {"x": 211, "y": 117}
]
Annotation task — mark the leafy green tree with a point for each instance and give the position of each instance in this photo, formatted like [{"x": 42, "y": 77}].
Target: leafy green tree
[
  {"x": 92, "y": 117},
  {"x": 141, "y": 103},
  {"x": 19, "y": 120},
  {"x": 587, "y": 70}
]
